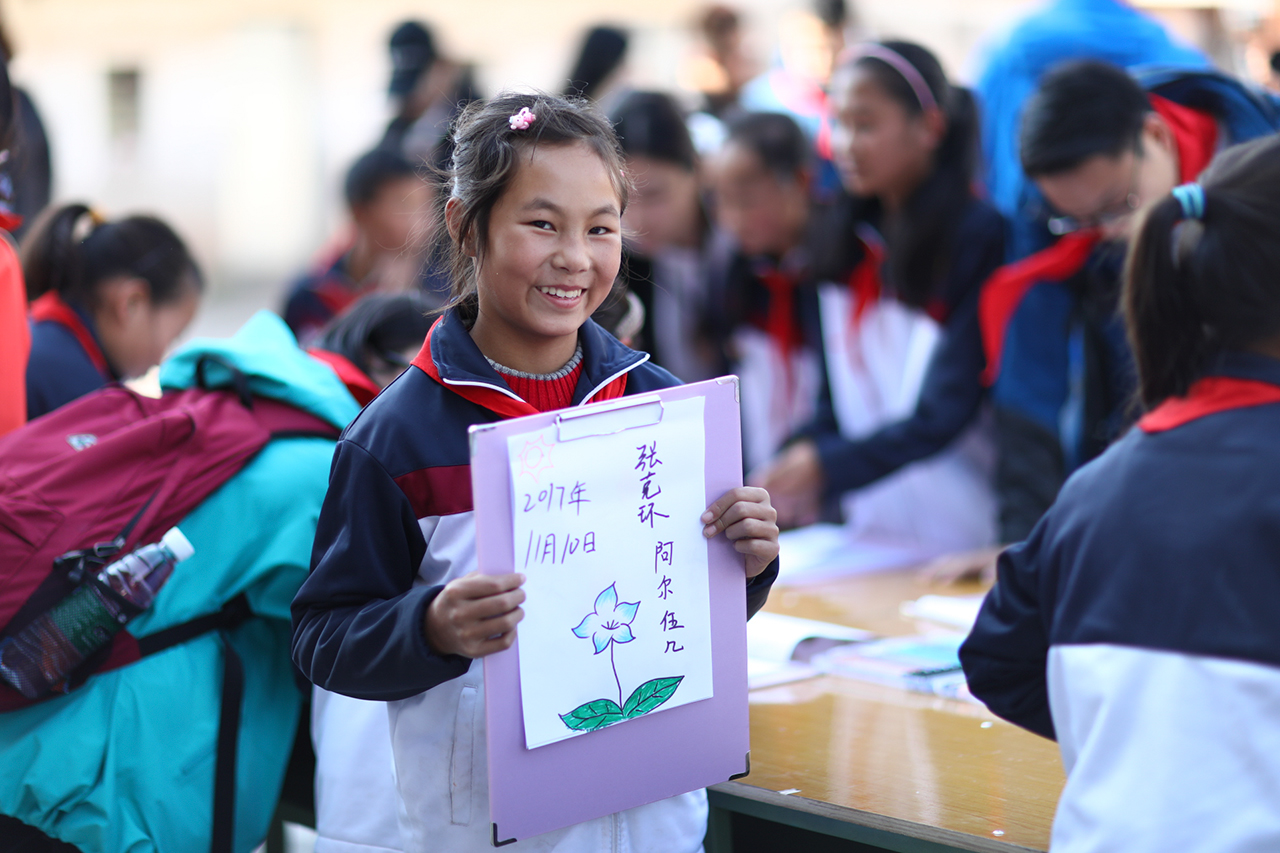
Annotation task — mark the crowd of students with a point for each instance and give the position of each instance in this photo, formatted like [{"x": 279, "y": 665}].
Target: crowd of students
[{"x": 944, "y": 337}]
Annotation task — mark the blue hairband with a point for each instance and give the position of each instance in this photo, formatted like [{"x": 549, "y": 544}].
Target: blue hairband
[{"x": 1191, "y": 197}]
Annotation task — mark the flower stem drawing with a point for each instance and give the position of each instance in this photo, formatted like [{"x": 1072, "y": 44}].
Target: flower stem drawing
[{"x": 607, "y": 625}]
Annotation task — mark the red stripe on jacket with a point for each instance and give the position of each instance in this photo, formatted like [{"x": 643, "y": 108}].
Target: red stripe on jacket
[
  {"x": 357, "y": 381},
  {"x": 1208, "y": 397},
  {"x": 51, "y": 308},
  {"x": 438, "y": 491}
]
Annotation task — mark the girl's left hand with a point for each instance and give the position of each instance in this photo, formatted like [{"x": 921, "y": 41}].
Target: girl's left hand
[{"x": 751, "y": 523}]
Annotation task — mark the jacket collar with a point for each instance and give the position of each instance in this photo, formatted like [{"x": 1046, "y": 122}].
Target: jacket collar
[
  {"x": 1235, "y": 380},
  {"x": 51, "y": 307},
  {"x": 451, "y": 357}
]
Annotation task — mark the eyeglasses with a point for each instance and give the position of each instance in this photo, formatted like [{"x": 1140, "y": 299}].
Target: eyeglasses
[{"x": 1059, "y": 225}]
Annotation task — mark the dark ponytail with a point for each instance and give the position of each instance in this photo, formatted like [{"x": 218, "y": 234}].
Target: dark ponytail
[
  {"x": 1194, "y": 287},
  {"x": 921, "y": 239},
  {"x": 70, "y": 251}
]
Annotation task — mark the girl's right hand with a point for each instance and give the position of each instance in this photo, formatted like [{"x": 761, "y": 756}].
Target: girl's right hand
[{"x": 475, "y": 615}]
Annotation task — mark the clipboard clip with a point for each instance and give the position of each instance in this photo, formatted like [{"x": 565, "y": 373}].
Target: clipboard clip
[{"x": 610, "y": 418}]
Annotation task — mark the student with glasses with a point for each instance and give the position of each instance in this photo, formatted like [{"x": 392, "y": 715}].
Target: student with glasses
[{"x": 1099, "y": 144}]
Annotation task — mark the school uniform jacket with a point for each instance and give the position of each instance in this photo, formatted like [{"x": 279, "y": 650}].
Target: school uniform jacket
[
  {"x": 66, "y": 360},
  {"x": 396, "y": 526},
  {"x": 951, "y": 393},
  {"x": 1137, "y": 625}
]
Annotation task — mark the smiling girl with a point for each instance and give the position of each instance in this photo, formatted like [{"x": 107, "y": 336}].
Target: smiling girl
[
  {"x": 903, "y": 354},
  {"x": 394, "y": 610}
]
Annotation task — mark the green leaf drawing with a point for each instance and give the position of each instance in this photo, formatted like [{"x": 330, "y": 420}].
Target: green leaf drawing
[
  {"x": 593, "y": 715},
  {"x": 650, "y": 695}
]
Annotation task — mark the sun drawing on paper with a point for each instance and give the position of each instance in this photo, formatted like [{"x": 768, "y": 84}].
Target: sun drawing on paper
[
  {"x": 535, "y": 458},
  {"x": 607, "y": 626}
]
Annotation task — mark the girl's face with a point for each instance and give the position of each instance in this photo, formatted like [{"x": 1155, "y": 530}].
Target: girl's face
[
  {"x": 554, "y": 249},
  {"x": 663, "y": 210},
  {"x": 880, "y": 148},
  {"x": 136, "y": 332},
  {"x": 765, "y": 213}
]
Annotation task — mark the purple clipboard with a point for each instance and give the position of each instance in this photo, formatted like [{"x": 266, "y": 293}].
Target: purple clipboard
[{"x": 684, "y": 748}]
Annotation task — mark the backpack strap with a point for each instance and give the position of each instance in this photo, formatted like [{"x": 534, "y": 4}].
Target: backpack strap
[
  {"x": 224, "y": 774},
  {"x": 233, "y": 613}
]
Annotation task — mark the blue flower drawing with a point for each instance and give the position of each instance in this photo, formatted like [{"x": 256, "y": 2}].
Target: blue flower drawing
[{"x": 610, "y": 622}]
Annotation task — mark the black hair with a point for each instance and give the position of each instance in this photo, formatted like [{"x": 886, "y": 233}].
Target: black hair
[
  {"x": 1081, "y": 109},
  {"x": 373, "y": 171},
  {"x": 602, "y": 52},
  {"x": 920, "y": 240},
  {"x": 833, "y": 13},
  {"x": 1275, "y": 62},
  {"x": 776, "y": 139},
  {"x": 719, "y": 25},
  {"x": 378, "y": 325},
  {"x": 8, "y": 108},
  {"x": 485, "y": 159},
  {"x": 651, "y": 124},
  {"x": 71, "y": 250},
  {"x": 1196, "y": 287}
]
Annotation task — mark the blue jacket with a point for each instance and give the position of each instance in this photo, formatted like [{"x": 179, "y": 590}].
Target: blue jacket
[
  {"x": 1137, "y": 624},
  {"x": 126, "y": 763},
  {"x": 1110, "y": 30},
  {"x": 358, "y": 620},
  {"x": 1066, "y": 381}
]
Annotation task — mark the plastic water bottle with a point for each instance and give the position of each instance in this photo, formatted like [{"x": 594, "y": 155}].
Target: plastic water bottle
[{"x": 40, "y": 657}]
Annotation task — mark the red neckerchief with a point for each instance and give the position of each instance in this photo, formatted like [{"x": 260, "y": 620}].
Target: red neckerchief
[
  {"x": 865, "y": 283},
  {"x": 362, "y": 388},
  {"x": 1195, "y": 134},
  {"x": 10, "y": 221},
  {"x": 780, "y": 319},
  {"x": 1004, "y": 291},
  {"x": 1209, "y": 396},
  {"x": 490, "y": 397},
  {"x": 51, "y": 308}
]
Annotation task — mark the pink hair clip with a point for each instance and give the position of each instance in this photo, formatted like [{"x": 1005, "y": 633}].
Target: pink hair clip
[{"x": 522, "y": 119}]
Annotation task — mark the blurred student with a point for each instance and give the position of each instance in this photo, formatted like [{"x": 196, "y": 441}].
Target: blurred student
[
  {"x": 26, "y": 176},
  {"x": 108, "y": 298},
  {"x": 665, "y": 261},
  {"x": 726, "y": 66},
  {"x": 388, "y": 201},
  {"x": 1137, "y": 624},
  {"x": 1099, "y": 144},
  {"x": 127, "y": 762},
  {"x": 599, "y": 71},
  {"x": 761, "y": 309},
  {"x": 898, "y": 438},
  {"x": 428, "y": 90},
  {"x": 1011, "y": 67},
  {"x": 373, "y": 341}
]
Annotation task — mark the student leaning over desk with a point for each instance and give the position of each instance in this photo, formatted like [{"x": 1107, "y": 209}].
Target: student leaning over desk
[
  {"x": 1137, "y": 624},
  {"x": 394, "y": 610}
]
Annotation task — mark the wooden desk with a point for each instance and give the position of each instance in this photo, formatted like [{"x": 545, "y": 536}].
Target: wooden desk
[{"x": 882, "y": 768}]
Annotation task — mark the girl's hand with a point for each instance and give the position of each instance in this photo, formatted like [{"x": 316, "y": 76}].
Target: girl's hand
[
  {"x": 476, "y": 615},
  {"x": 794, "y": 479},
  {"x": 745, "y": 516}
]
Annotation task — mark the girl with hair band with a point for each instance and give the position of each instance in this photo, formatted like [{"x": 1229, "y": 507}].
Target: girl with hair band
[
  {"x": 668, "y": 234},
  {"x": 1136, "y": 624},
  {"x": 394, "y": 610},
  {"x": 108, "y": 298},
  {"x": 898, "y": 439}
]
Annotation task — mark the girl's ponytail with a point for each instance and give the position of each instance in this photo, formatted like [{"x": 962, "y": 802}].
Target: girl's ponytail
[
  {"x": 1203, "y": 273},
  {"x": 1165, "y": 326},
  {"x": 70, "y": 249},
  {"x": 52, "y": 256}
]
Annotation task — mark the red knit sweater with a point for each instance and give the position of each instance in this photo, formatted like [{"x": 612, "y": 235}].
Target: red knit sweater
[{"x": 542, "y": 393}]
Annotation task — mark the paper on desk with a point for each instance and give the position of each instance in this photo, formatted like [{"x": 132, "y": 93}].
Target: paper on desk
[
  {"x": 956, "y": 611},
  {"x": 824, "y": 551},
  {"x": 779, "y": 646}
]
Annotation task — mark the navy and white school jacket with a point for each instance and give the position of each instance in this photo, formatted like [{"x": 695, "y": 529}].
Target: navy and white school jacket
[
  {"x": 396, "y": 526},
  {"x": 1139, "y": 624},
  {"x": 67, "y": 360}
]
